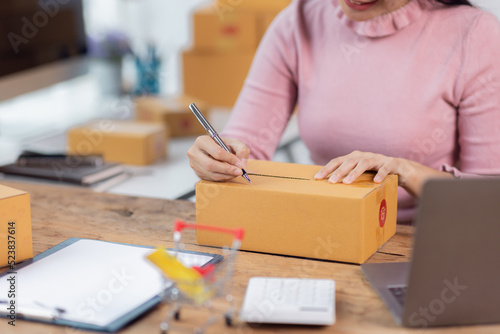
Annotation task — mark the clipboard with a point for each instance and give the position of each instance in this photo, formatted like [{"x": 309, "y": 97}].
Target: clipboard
[{"x": 102, "y": 304}]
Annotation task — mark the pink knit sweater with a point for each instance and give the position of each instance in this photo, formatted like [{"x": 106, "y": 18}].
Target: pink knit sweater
[{"x": 421, "y": 83}]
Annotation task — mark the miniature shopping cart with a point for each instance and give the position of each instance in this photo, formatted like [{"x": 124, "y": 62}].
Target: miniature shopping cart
[{"x": 197, "y": 287}]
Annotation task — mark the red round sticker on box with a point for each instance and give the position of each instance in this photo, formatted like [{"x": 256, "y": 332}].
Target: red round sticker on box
[{"x": 382, "y": 214}]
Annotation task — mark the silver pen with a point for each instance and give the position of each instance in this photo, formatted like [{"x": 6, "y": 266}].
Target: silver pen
[
  {"x": 211, "y": 131},
  {"x": 42, "y": 312}
]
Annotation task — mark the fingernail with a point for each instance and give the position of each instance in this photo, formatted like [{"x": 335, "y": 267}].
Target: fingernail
[
  {"x": 377, "y": 179},
  {"x": 319, "y": 175},
  {"x": 237, "y": 171},
  {"x": 347, "y": 179},
  {"x": 244, "y": 162},
  {"x": 240, "y": 164},
  {"x": 334, "y": 178}
]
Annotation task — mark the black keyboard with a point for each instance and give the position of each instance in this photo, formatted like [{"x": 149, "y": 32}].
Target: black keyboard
[{"x": 399, "y": 292}]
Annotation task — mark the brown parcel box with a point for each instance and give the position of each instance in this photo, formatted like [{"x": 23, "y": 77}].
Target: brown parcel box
[
  {"x": 173, "y": 113},
  {"x": 215, "y": 77},
  {"x": 128, "y": 142},
  {"x": 233, "y": 31},
  {"x": 236, "y": 30},
  {"x": 15, "y": 225},
  {"x": 227, "y": 6},
  {"x": 285, "y": 211}
]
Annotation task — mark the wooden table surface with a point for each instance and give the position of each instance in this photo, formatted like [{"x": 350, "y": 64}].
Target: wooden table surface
[{"x": 59, "y": 213}]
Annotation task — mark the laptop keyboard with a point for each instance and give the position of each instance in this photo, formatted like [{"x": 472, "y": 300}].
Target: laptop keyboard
[{"x": 399, "y": 292}]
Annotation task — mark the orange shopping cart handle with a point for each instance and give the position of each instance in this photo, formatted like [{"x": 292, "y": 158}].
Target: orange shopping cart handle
[{"x": 206, "y": 270}]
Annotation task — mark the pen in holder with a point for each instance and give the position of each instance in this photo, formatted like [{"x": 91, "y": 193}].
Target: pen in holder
[{"x": 148, "y": 73}]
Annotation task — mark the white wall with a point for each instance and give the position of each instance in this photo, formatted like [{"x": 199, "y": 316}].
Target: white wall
[
  {"x": 490, "y": 5},
  {"x": 166, "y": 23}
]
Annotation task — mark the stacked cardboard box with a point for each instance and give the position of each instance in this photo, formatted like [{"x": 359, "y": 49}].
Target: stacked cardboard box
[
  {"x": 173, "y": 113},
  {"x": 226, "y": 36},
  {"x": 270, "y": 5},
  {"x": 15, "y": 221}
]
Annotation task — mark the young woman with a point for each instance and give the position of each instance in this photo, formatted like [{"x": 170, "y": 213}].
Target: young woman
[{"x": 395, "y": 86}]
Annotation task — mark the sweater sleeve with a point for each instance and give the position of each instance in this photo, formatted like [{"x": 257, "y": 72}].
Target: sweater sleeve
[
  {"x": 479, "y": 108},
  {"x": 268, "y": 97}
]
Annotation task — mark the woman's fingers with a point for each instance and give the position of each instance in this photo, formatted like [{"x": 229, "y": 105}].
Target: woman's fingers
[
  {"x": 365, "y": 162},
  {"x": 211, "y": 148},
  {"x": 219, "y": 167},
  {"x": 354, "y": 164},
  {"x": 208, "y": 169},
  {"x": 240, "y": 150},
  {"x": 212, "y": 162},
  {"x": 329, "y": 168},
  {"x": 338, "y": 167},
  {"x": 383, "y": 172},
  {"x": 351, "y": 166}
]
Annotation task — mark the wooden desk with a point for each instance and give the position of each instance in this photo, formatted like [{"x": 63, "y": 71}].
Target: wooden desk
[{"x": 59, "y": 213}]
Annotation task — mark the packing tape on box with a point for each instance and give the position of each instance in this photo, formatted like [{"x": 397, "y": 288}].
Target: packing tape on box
[{"x": 278, "y": 177}]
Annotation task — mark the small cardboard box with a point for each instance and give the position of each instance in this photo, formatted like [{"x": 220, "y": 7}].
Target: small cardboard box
[
  {"x": 227, "y": 6},
  {"x": 233, "y": 31},
  {"x": 215, "y": 77},
  {"x": 127, "y": 142},
  {"x": 285, "y": 211},
  {"x": 16, "y": 242},
  {"x": 173, "y": 113}
]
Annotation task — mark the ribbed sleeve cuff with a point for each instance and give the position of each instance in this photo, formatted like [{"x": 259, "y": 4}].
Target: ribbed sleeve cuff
[{"x": 457, "y": 173}]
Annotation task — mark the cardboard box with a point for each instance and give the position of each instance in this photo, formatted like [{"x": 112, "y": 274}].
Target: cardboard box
[
  {"x": 128, "y": 142},
  {"x": 228, "y": 6},
  {"x": 173, "y": 113},
  {"x": 232, "y": 31},
  {"x": 215, "y": 77},
  {"x": 235, "y": 30},
  {"x": 264, "y": 20},
  {"x": 15, "y": 225},
  {"x": 285, "y": 211}
]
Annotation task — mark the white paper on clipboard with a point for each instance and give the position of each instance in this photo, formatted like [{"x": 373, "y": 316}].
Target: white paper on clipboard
[{"x": 95, "y": 282}]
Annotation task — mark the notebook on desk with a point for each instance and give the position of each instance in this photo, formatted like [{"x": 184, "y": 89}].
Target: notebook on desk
[
  {"x": 88, "y": 284},
  {"x": 453, "y": 276},
  {"x": 63, "y": 172}
]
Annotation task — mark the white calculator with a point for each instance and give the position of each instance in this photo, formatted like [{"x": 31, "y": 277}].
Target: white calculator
[{"x": 289, "y": 301}]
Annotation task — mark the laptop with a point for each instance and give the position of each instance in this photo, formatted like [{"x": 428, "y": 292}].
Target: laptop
[{"x": 454, "y": 275}]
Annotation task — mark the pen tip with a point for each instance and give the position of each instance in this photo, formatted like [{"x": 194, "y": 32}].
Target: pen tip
[{"x": 247, "y": 178}]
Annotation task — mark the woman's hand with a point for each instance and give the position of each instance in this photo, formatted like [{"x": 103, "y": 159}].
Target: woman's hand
[
  {"x": 411, "y": 175},
  {"x": 211, "y": 162}
]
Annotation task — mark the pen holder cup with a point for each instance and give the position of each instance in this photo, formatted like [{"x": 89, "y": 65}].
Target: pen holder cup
[{"x": 148, "y": 77}]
